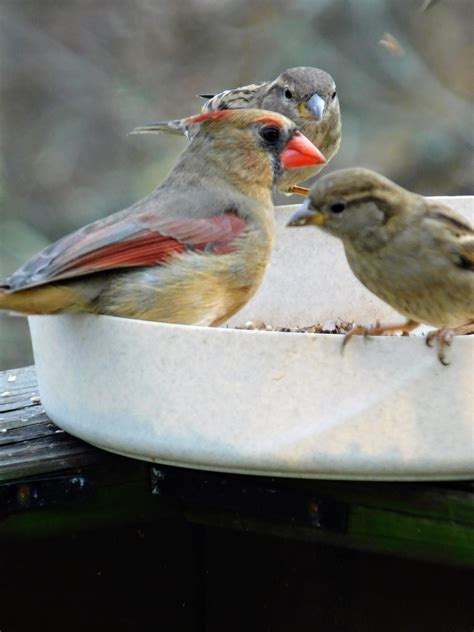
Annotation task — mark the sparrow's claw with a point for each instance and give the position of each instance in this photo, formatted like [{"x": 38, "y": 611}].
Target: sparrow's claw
[
  {"x": 298, "y": 190},
  {"x": 444, "y": 337},
  {"x": 355, "y": 331}
]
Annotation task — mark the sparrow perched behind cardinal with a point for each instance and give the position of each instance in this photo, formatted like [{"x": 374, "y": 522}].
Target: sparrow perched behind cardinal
[
  {"x": 413, "y": 253},
  {"x": 192, "y": 252},
  {"x": 305, "y": 95}
]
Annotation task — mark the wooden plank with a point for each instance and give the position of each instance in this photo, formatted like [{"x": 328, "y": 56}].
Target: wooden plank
[
  {"x": 30, "y": 443},
  {"x": 46, "y": 454},
  {"x": 453, "y": 500},
  {"x": 22, "y": 418},
  {"x": 18, "y": 389},
  {"x": 328, "y": 512},
  {"x": 119, "y": 494},
  {"x": 16, "y": 434}
]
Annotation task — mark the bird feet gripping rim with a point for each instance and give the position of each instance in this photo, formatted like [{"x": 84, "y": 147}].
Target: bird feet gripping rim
[{"x": 444, "y": 336}]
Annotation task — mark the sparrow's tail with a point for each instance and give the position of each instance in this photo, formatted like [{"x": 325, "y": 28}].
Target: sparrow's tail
[{"x": 168, "y": 127}]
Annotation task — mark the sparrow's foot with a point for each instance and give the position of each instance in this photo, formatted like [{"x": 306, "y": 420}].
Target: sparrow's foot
[
  {"x": 298, "y": 190},
  {"x": 360, "y": 330},
  {"x": 444, "y": 336},
  {"x": 468, "y": 328},
  {"x": 378, "y": 330}
]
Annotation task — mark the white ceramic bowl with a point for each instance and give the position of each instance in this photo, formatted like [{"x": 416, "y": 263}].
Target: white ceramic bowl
[{"x": 268, "y": 403}]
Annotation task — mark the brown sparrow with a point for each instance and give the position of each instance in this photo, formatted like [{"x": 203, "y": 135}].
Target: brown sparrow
[{"x": 415, "y": 254}]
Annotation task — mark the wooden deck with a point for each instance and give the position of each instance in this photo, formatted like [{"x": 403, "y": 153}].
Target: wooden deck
[
  {"x": 51, "y": 482},
  {"x": 30, "y": 443}
]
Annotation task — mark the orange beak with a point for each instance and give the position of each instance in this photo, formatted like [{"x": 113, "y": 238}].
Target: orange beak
[{"x": 300, "y": 152}]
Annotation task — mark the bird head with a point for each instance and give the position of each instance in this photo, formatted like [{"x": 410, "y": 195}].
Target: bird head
[
  {"x": 351, "y": 204},
  {"x": 303, "y": 93},
  {"x": 264, "y": 132},
  {"x": 253, "y": 145}
]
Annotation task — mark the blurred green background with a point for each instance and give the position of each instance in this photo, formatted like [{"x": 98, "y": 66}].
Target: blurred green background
[{"x": 77, "y": 76}]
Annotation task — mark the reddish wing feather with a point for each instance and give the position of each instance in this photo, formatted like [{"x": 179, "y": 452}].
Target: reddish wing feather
[
  {"x": 152, "y": 246},
  {"x": 147, "y": 249}
]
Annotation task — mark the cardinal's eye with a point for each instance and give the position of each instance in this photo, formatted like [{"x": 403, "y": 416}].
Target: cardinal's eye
[
  {"x": 338, "y": 207},
  {"x": 270, "y": 135},
  {"x": 333, "y": 95},
  {"x": 288, "y": 93}
]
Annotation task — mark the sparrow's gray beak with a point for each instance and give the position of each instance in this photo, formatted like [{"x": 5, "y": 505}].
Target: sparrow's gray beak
[
  {"x": 305, "y": 215},
  {"x": 316, "y": 105}
]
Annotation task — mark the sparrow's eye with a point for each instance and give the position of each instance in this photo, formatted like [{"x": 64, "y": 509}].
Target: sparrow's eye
[
  {"x": 338, "y": 207},
  {"x": 333, "y": 95},
  {"x": 270, "y": 135},
  {"x": 288, "y": 93}
]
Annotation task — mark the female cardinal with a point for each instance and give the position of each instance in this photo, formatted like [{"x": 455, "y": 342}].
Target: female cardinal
[
  {"x": 305, "y": 95},
  {"x": 415, "y": 254},
  {"x": 192, "y": 252}
]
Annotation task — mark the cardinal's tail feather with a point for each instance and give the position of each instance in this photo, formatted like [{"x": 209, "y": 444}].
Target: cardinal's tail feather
[{"x": 44, "y": 299}]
